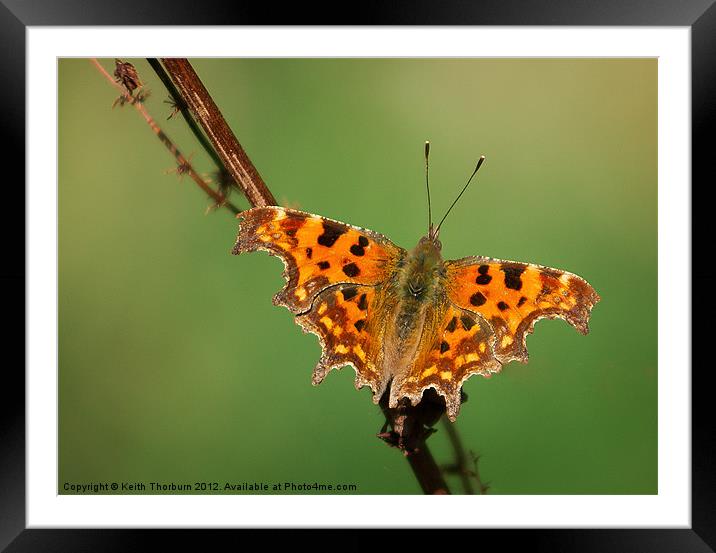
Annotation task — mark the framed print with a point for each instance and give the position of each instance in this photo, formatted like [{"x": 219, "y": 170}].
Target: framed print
[{"x": 548, "y": 170}]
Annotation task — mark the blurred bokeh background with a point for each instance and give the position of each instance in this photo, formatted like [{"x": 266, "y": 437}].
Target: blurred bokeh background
[{"x": 175, "y": 367}]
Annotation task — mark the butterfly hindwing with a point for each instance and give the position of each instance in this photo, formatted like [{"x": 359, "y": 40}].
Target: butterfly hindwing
[
  {"x": 317, "y": 252},
  {"x": 512, "y": 296},
  {"x": 460, "y": 345},
  {"x": 348, "y": 323}
]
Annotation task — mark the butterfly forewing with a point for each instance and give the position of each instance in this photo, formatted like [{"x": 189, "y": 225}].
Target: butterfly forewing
[
  {"x": 317, "y": 252},
  {"x": 512, "y": 296}
]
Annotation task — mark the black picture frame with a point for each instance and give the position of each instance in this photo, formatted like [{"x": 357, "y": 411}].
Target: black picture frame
[{"x": 16, "y": 15}]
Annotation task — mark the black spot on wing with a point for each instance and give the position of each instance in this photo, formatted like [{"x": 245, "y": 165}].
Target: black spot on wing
[
  {"x": 512, "y": 276},
  {"x": 483, "y": 279},
  {"x": 309, "y": 253},
  {"x": 502, "y": 306},
  {"x": 363, "y": 303},
  {"x": 451, "y": 325},
  {"x": 477, "y": 299},
  {"x": 444, "y": 346},
  {"x": 331, "y": 233},
  {"x": 359, "y": 248},
  {"x": 349, "y": 293},
  {"x": 351, "y": 270},
  {"x": 359, "y": 325},
  {"x": 522, "y": 301},
  {"x": 323, "y": 265},
  {"x": 467, "y": 322}
]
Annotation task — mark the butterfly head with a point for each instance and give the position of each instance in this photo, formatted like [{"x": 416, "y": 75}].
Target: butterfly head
[
  {"x": 432, "y": 236},
  {"x": 424, "y": 265}
]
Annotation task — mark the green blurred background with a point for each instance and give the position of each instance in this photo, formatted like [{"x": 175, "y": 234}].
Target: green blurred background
[{"x": 175, "y": 366}]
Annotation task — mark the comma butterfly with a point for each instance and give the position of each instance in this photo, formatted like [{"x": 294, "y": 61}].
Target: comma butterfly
[{"x": 408, "y": 318}]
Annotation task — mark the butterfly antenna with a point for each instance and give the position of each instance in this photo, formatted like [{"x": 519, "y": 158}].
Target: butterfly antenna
[
  {"x": 477, "y": 167},
  {"x": 427, "y": 184}
]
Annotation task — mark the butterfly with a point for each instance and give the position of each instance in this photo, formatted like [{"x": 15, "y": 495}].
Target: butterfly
[{"x": 408, "y": 320}]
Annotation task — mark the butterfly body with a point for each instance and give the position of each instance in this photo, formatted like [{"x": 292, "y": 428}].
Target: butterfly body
[
  {"x": 408, "y": 318},
  {"x": 416, "y": 292}
]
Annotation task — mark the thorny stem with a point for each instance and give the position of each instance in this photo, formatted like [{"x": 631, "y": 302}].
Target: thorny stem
[
  {"x": 183, "y": 109},
  {"x": 202, "y": 106},
  {"x": 460, "y": 465},
  {"x": 460, "y": 458},
  {"x": 183, "y": 162}
]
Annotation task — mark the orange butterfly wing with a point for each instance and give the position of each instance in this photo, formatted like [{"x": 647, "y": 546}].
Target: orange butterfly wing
[
  {"x": 334, "y": 273},
  {"x": 317, "y": 252},
  {"x": 512, "y": 296}
]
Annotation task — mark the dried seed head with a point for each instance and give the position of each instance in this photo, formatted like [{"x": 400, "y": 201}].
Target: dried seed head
[{"x": 126, "y": 75}]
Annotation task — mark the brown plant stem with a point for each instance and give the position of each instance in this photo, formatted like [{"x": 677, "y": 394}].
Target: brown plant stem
[
  {"x": 410, "y": 427},
  {"x": 183, "y": 163},
  {"x": 202, "y": 106},
  {"x": 426, "y": 471},
  {"x": 184, "y": 110}
]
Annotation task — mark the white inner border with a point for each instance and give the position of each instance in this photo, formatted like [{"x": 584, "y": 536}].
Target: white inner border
[{"x": 670, "y": 508}]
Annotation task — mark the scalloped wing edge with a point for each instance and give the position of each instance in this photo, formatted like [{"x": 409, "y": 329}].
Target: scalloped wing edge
[
  {"x": 246, "y": 241},
  {"x": 578, "y": 316},
  {"x": 452, "y": 395},
  {"x": 325, "y": 365}
]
